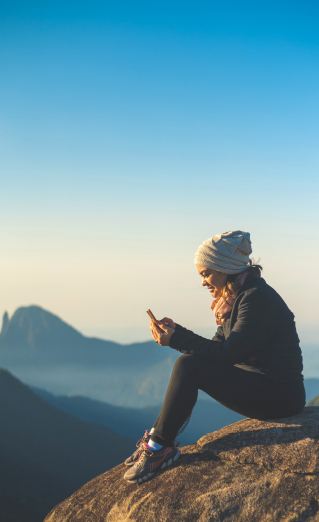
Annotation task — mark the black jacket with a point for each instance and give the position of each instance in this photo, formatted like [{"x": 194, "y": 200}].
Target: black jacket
[{"x": 260, "y": 335}]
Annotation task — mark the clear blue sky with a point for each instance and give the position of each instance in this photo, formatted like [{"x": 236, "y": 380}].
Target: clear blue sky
[{"x": 132, "y": 131}]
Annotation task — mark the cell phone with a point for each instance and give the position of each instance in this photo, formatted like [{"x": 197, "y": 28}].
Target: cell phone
[{"x": 152, "y": 316}]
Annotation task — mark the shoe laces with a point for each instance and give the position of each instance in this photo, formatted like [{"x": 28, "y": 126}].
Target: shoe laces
[
  {"x": 145, "y": 452},
  {"x": 143, "y": 439}
]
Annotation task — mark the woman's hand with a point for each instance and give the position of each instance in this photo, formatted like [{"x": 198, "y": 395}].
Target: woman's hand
[
  {"x": 167, "y": 322},
  {"x": 161, "y": 335}
]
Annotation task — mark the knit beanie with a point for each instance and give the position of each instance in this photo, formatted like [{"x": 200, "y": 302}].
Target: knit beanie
[{"x": 228, "y": 252}]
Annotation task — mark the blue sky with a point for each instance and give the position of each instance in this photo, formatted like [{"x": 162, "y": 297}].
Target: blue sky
[{"x": 132, "y": 131}]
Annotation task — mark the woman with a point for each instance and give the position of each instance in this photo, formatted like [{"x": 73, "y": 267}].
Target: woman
[{"x": 253, "y": 364}]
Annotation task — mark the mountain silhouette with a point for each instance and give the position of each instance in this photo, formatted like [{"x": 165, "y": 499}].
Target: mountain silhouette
[
  {"x": 36, "y": 334},
  {"x": 47, "y": 454}
]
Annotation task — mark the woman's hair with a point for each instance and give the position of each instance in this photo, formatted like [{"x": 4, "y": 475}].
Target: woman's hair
[{"x": 232, "y": 286}]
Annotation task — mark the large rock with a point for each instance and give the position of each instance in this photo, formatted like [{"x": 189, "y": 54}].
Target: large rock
[{"x": 249, "y": 471}]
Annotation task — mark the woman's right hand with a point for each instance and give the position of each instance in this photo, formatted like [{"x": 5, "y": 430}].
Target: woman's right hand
[{"x": 166, "y": 321}]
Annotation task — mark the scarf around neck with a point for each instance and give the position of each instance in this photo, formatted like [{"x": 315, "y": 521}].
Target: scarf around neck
[{"x": 220, "y": 307}]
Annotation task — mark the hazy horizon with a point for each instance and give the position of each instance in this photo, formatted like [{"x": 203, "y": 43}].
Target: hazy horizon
[
  {"x": 43, "y": 352},
  {"x": 308, "y": 333}
]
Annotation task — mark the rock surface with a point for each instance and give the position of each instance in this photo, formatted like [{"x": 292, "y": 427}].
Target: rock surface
[{"x": 249, "y": 471}]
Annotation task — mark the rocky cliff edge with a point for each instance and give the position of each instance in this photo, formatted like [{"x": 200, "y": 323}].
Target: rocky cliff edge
[{"x": 249, "y": 471}]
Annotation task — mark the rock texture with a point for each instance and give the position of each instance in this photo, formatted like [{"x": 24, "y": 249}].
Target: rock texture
[{"x": 250, "y": 471}]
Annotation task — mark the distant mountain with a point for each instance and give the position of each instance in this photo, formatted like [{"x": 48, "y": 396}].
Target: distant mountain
[
  {"x": 207, "y": 416},
  {"x": 44, "y": 351},
  {"x": 47, "y": 454},
  {"x": 36, "y": 335},
  {"x": 34, "y": 332}
]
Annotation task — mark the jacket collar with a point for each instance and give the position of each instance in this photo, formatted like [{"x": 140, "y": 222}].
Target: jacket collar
[{"x": 250, "y": 283}]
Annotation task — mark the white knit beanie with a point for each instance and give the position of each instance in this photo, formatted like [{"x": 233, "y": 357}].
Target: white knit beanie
[{"x": 228, "y": 252}]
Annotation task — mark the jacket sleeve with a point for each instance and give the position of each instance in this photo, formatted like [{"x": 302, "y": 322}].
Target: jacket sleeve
[
  {"x": 180, "y": 328},
  {"x": 248, "y": 335},
  {"x": 219, "y": 335}
]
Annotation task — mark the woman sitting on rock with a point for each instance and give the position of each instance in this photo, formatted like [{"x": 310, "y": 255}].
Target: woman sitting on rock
[{"x": 253, "y": 364}]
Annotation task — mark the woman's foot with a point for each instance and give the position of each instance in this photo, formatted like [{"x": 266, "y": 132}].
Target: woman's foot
[
  {"x": 149, "y": 462},
  {"x": 133, "y": 458}
]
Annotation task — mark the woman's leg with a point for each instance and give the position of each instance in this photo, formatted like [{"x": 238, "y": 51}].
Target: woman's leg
[{"x": 248, "y": 393}]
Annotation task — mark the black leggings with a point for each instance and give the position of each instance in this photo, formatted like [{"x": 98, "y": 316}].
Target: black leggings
[{"x": 249, "y": 393}]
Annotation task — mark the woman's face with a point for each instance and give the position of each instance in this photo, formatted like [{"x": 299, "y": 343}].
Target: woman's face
[{"x": 214, "y": 280}]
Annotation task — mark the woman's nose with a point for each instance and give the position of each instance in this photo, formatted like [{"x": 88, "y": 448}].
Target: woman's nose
[{"x": 204, "y": 282}]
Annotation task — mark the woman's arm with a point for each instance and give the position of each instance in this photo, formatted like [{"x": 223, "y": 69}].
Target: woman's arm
[
  {"x": 249, "y": 334},
  {"x": 167, "y": 322},
  {"x": 180, "y": 328}
]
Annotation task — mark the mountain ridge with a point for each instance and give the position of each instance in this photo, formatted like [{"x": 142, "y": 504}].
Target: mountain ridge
[{"x": 45, "y": 453}]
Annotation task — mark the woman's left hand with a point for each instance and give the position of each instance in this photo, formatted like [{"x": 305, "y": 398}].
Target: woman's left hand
[{"x": 161, "y": 335}]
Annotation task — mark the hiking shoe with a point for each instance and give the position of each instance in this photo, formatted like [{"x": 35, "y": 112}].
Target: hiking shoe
[
  {"x": 133, "y": 458},
  {"x": 130, "y": 461},
  {"x": 150, "y": 462}
]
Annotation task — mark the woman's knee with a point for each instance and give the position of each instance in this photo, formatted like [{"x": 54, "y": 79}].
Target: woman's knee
[{"x": 183, "y": 363}]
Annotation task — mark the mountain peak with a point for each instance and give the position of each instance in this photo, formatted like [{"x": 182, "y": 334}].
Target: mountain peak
[
  {"x": 5, "y": 322},
  {"x": 33, "y": 327}
]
